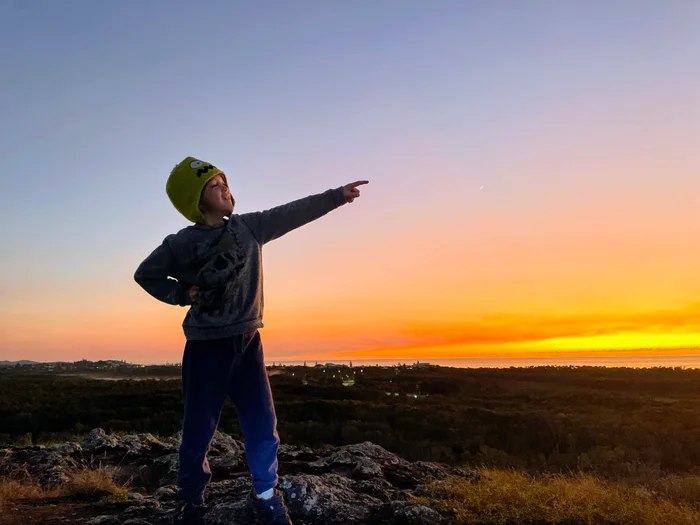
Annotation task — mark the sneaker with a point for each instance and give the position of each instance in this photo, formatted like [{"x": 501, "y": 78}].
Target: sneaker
[
  {"x": 190, "y": 514},
  {"x": 271, "y": 511}
]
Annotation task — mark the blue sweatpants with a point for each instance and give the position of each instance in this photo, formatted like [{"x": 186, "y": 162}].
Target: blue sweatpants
[{"x": 212, "y": 370}]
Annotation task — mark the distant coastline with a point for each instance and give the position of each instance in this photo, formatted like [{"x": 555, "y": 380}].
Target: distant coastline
[{"x": 691, "y": 361}]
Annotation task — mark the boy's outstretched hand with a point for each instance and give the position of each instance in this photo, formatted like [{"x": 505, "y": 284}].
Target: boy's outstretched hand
[{"x": 350, "y": 191}]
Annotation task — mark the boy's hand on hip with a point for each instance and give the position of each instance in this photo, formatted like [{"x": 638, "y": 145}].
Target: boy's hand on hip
[
  {"x": 350, "y": 191},
  {"x": 193, "y": 292}
]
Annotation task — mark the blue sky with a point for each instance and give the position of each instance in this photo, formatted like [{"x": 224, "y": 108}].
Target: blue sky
[{"x": 428, "y": 100}]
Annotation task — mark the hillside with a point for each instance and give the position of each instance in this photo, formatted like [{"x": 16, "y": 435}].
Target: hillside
[
  {"x": 114, "y": 480},
  {"x": 609, "y": 422},
  {"x": 548, "y": 445}
]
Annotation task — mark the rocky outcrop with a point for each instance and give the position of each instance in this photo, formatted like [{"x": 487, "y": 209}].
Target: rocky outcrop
[
  {"x": 361, "y": 484},
  {"x": 49, "y": 465}
]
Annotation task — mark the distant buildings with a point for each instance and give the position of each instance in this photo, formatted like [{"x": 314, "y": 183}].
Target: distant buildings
[
  {"x": 77, "y": 366},
  {"x": 334, "y": 365}
]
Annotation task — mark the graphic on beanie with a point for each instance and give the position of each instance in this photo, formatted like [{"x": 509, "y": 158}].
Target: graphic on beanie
[
  {"x": 201, "y": 167},
  {"x": 201, "y": 171}
]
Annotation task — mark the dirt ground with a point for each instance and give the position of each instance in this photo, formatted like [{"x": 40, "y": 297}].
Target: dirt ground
[{"x": 47, "y": 511}]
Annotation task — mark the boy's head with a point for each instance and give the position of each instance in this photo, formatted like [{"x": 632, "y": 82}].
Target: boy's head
[{"x": 197, "y": 188}]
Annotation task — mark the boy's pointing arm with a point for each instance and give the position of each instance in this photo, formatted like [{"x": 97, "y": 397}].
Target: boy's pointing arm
[{"x": 274, "y": 223}]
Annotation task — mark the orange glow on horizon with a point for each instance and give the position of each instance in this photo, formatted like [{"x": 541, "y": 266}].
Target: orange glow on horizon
[{"x": 524, "y": 287}]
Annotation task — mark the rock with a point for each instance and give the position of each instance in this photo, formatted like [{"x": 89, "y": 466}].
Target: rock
[
  {"x": 167, "y": 493},
  {"x": 141, "y": 446},
  {"x": 471, "y": 475},
  {"x": 105, "y": 520},
  {"x": 228, "y": 466},
  {"x": 226, "y": 457},
  {"x": 136, "y": 496},
  {"x": 363, "y": 461},
  {"x": 165, "y": 468},
  {"x": 403, "y": 513},
  {"x": 132, "y": 449},
  {"x": 231, "y": 513},
  {"x": 326, "y": 499},
  {"x": 49, "y": 466},
  {"x": 350, "y": 464},
  {"x": 380, "y": 488},
  {"x": 406, "y": 476},
  {"x": 292, "y": 453},
  {"x": 225, "y": 445},
  {"x": 142, "y": 502},
  {"x": 174, "y": 440},
  {"x": 72, "y": 449},
  {"x": 229, "y": 489},
  {"x": 144, "y": 512},
  {"x": 367, "y": 461},
  {"x": 98, "y": 442},
  {"x": 429, "y": 471},
  {"x": 362, "y": 484}
]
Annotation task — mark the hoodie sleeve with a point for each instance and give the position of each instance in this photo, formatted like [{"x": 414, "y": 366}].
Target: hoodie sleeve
[
  {"x": 272, "y": 224},
  {"x": 157, "y": 275}
]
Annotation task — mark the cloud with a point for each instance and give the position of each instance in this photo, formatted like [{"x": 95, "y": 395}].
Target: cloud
[{"x": 511, "y": 330}]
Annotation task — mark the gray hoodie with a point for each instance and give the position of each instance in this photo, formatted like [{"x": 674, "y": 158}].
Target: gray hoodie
[{"x": 225, "y": 262}]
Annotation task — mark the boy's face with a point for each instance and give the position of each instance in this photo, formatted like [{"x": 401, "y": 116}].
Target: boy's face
[{"x": 216, "y": 197}]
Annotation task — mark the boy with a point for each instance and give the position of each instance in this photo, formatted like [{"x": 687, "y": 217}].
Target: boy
[{"x": 215, "y": 267}]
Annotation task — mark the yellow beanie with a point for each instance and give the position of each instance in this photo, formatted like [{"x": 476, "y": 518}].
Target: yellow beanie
[{"x": 185, "y": 185}]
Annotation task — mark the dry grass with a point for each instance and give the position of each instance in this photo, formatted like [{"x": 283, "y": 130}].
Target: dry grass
[
  {"x": 510, "y": 498},
  {"x": 86, "y": 484},
  {"x": 92, "y": 484},
  {"x": 11, "y": 489},
  {"x": 681, "y": 489}
]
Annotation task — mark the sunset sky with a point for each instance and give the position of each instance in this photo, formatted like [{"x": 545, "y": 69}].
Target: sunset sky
[{"x": 580, "y": 119}]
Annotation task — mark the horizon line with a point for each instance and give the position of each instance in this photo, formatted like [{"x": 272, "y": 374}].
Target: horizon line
[{"x": 616, "y": 354}]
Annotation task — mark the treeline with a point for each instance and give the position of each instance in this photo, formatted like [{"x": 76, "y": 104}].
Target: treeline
[{"x": 615, "y": 422}]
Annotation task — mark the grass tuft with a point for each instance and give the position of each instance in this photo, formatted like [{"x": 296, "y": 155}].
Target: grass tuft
[{"x": 514, "y": 498}]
